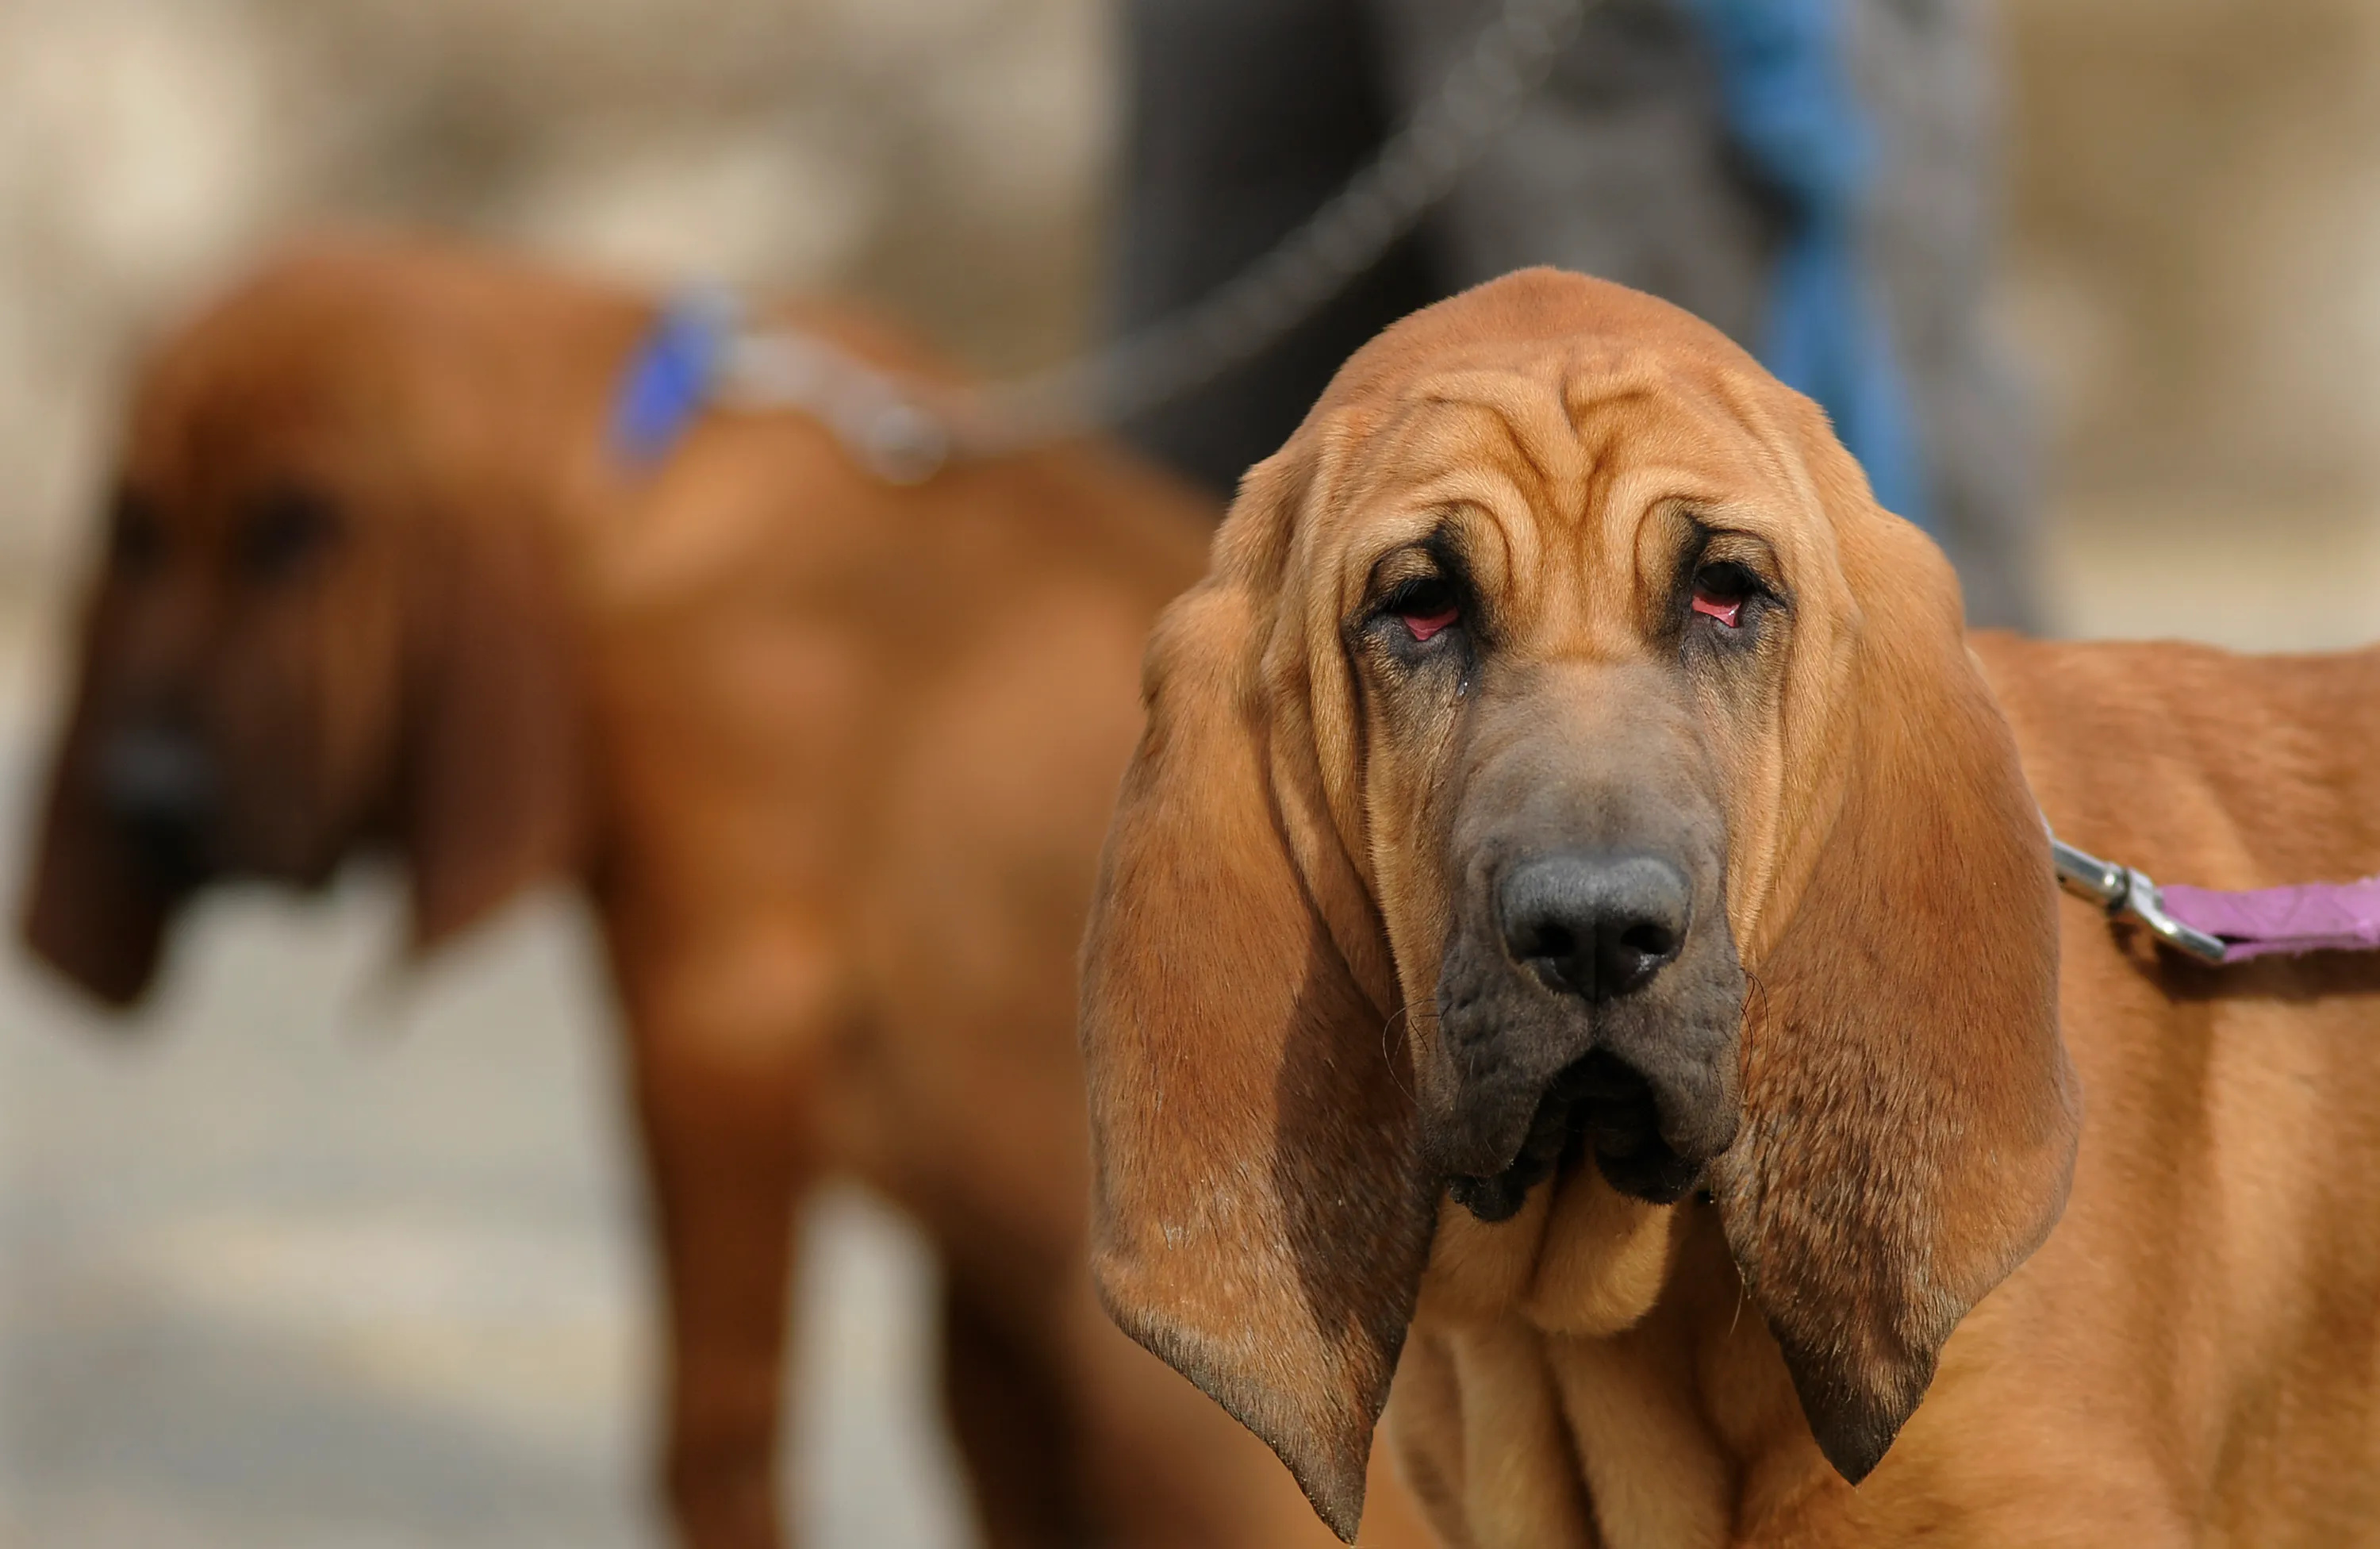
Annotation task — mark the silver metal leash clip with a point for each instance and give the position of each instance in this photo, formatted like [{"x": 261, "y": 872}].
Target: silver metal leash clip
[
  {"x": 885, "y": 427},
  {"x": 2128, "y": 893}
]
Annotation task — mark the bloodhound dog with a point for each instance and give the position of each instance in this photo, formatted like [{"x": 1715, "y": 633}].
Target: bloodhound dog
[
  {"x": 833, "y": 759},
  {"x": 1578, "y": 938}
]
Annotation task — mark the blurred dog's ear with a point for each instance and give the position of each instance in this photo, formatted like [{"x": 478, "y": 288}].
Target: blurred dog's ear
[
  {"x": 494, "y": 793},
  {"x": 1910, "y": 1115},
  {"x": 1263, "y": 1214},
  {"x": 96, "y": 909}
]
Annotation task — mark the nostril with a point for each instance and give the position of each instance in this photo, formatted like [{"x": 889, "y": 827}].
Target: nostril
[
  {"x": 1545, "y": 939},
  {"x": 1631, "y": 954},
  {"x": 1650, "y": 940}
]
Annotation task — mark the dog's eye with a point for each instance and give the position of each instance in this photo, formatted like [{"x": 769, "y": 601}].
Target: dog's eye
[
  {"x": 1427, "y": 605},
  {"x": 136, "y": 539},
  {"x": 1722, "y": 589},
  {"x": 285, "y": 529}
]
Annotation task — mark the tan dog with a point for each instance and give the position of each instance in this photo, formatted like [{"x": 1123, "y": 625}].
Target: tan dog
[
  {"x": 832, "y": 758},
  {"x": 1578, "y": 919}
]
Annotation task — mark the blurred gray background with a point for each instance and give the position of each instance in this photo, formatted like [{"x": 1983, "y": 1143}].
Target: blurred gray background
[{"x": 327, "y": 1251}]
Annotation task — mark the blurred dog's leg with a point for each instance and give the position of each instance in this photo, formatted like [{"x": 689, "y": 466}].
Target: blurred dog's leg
[
  {"x": 728, "y": 1101},
  {"x": 1011, "y": 1425}
]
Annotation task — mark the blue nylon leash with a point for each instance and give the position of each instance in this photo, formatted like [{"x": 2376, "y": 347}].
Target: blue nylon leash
[{"x": 1794, "y": 111}]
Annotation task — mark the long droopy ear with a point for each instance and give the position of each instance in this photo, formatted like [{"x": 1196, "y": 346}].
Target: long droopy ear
[
  {"x": 1262, "y": 1214},
  {"x": 1910, "y": 1119},
  {"x": 494, "y": 797},
  {"x": 96, "y": 909}
]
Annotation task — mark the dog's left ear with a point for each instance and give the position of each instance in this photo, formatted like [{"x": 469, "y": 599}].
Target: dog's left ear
[
  {"x": 1910, "y": 1115},
  {"x": 1262, "y": 1210},
  {"x": 493, "y": 795}
]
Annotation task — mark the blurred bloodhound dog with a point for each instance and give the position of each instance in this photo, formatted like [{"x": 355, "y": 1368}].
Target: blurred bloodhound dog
[
  {"x": 833, "y": 759},
  {"x": 1578, "y": 919}
]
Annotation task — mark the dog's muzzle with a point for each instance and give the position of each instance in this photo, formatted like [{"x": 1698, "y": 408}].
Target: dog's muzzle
[
  {"x": 1588, "y": 1006},
  {"x": 159, "y": 786}
]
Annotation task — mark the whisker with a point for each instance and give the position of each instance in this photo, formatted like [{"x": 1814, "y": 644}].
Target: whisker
[{"x": 1389, "y": 1053}]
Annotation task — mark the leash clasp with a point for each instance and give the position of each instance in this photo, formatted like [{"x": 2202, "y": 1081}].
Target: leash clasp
[
  {"x": 890, "y": 430},
  {"x": 2127, "y": 893}
]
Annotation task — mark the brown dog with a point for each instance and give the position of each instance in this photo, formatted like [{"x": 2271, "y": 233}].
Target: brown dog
[
  {"x": 833, "y": 758},
  {"x": 1579, "y": 918}
]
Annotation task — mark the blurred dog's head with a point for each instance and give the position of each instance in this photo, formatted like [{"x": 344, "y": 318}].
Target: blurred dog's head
[{"x": 324, "y": 618}]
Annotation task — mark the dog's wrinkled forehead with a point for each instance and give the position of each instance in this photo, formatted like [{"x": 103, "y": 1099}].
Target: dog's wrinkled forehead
[
  {"x": 267, "y": 383},
  {"x": 1541, "y": 402}
]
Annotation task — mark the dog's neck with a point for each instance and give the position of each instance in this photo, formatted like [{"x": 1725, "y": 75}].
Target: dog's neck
[
  {"x": 1617, "y": 1386},
  {"x": 548, "y": 416}
]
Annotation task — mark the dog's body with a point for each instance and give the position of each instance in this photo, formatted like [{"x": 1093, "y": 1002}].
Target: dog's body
[
  {"x": 832, "y": 758},
  {"x": 1639, "y": 1026}
]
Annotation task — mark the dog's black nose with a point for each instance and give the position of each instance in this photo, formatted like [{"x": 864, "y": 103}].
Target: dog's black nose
[
  {"x": 159, "y": 784},
  {"x": 1595, "y": 926}
]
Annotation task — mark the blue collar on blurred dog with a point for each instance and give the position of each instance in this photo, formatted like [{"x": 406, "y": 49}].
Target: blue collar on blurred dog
[{"x": 670, "y": 379}]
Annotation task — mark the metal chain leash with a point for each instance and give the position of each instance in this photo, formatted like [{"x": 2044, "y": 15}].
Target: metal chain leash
[{"x": 906, "y": 431}]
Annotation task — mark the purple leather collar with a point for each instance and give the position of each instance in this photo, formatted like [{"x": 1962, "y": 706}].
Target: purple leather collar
[{"x": 2219, "y": 927}]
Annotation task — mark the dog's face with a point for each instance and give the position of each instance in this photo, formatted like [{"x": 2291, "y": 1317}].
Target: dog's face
[
  {"x": 1565, "y": 765},
  {"x": 1567, "y": 611},
  {"x": 307, "y": 608},
  {"x": 245, "y": 654}
]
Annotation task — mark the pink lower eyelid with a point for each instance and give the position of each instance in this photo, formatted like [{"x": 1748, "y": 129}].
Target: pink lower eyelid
[
  {"x": 1423, "y": 625},
  {"x": 1728, "y": 613}
]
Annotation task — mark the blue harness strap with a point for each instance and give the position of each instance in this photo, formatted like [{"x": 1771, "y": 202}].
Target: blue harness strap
[
  {"x": 669, "y": 379},
  {"x": 1794, "y": 111}
]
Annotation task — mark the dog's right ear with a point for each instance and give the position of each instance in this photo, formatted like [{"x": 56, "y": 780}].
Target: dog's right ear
[
  {"x": 96, "y": 909},
  {"x": 494, "y": 796},
  {"x": 1910, "y": 1117},
  {"x": 1262, "y": 1210}
]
